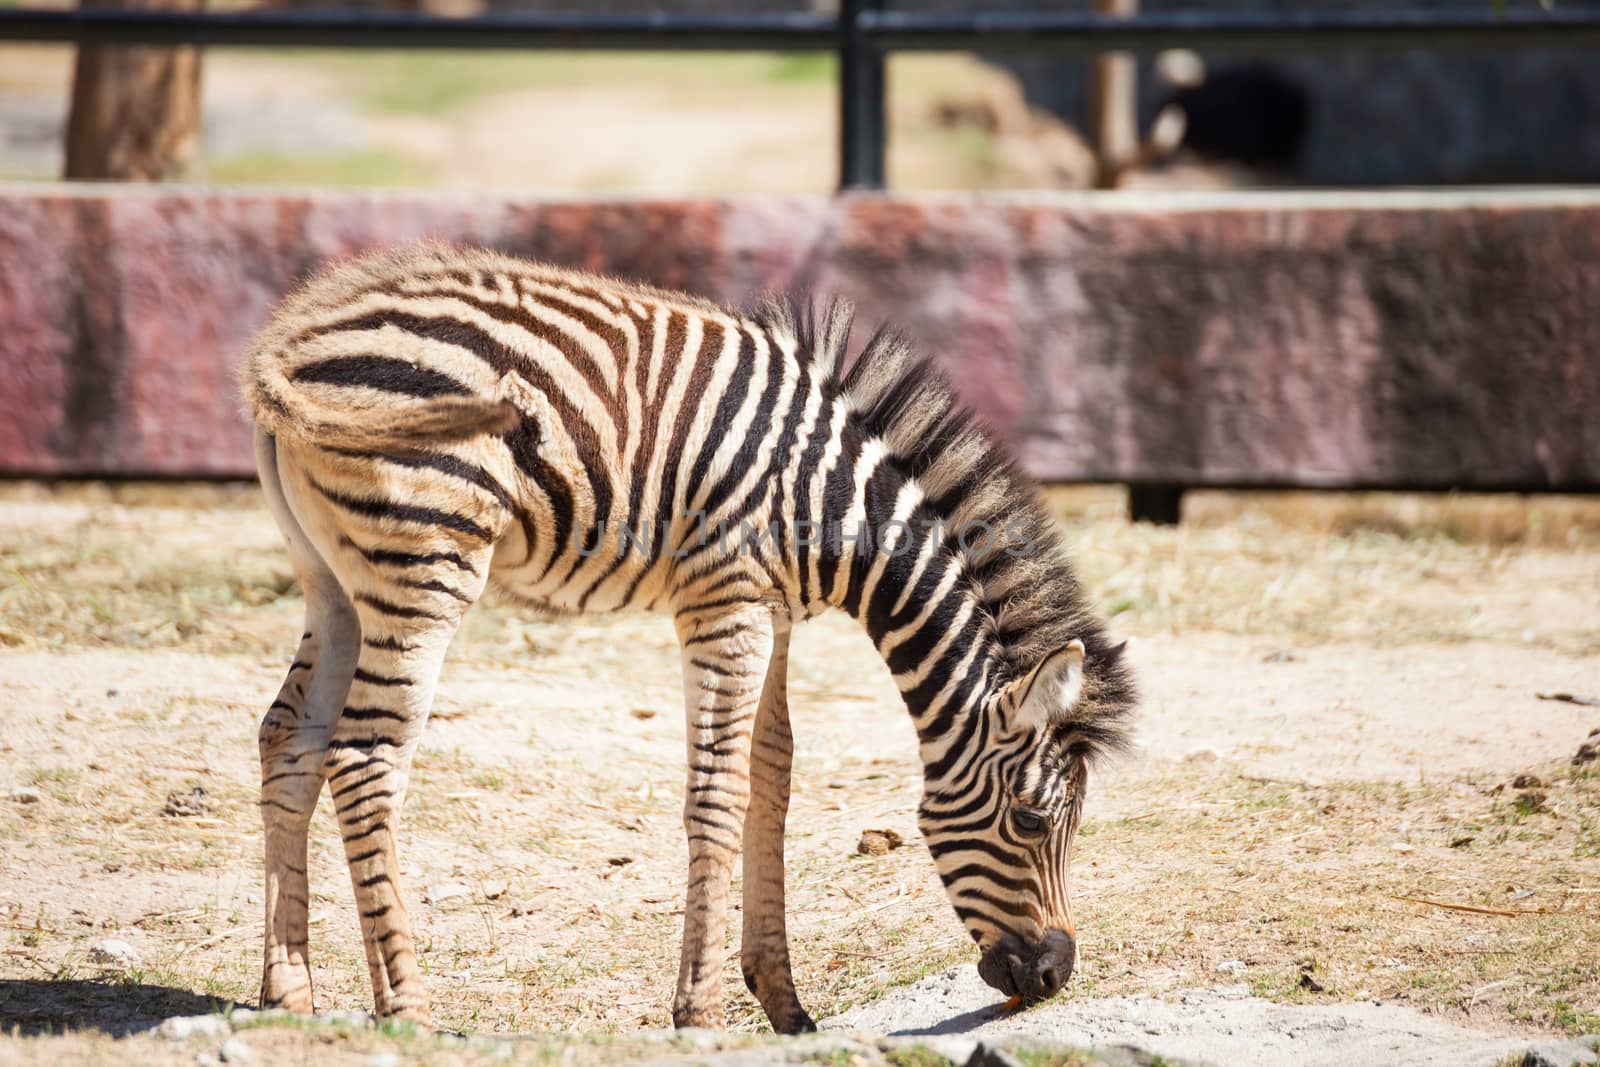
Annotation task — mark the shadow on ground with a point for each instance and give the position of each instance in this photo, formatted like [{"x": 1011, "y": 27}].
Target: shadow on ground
[{"x": 33, "y": 1007}]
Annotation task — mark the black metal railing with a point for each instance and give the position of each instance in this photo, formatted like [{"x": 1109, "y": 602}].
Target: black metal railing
[{"x": 862, "y": 35}]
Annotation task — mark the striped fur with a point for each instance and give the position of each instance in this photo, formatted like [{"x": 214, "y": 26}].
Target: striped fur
[{"x": 434, "y": 419}]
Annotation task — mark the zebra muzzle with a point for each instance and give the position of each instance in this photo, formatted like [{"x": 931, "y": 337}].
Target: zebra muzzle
[{"x": 1034, "y": 972}]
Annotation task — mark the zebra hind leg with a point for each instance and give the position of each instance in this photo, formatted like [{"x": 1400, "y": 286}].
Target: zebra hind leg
[
  {"x": 764, "y": 946},
  {"x": 292, "y": 737},
  {"x": 410, "y": 572}
]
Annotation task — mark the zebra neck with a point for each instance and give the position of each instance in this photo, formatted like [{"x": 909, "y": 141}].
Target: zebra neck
[{"x": 907, "y": 587}]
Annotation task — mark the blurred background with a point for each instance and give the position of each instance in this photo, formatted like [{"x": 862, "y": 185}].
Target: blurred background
[{"x": 707, "y": 123}]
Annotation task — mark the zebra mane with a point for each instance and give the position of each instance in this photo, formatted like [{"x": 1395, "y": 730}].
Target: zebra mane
[{"x": 1034, "y": 600}]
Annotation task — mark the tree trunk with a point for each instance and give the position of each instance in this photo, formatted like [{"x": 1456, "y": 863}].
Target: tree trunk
[
  {"x": 136, "y": 108},
  {"x": 1114, "y": 104}
]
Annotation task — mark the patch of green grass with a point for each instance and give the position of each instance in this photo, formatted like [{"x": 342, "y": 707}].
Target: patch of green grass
[
  {"x": 1051, "y": 1057},
  {"x": 804, "y": 67},
  {"x": 1574, "y": 1020},
  {"x": 364, "y": 168},
  {"x": 915, "y": 1056}
]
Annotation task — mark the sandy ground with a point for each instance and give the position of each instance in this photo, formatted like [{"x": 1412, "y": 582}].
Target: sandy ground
[{"x": 1334, "y": 713}]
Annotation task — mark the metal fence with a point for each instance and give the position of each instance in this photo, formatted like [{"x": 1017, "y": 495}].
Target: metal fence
[{"x": 862, "y": 35}]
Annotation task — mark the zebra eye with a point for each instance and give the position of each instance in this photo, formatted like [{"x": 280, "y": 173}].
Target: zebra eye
[{"x": 1027, "y": 823}]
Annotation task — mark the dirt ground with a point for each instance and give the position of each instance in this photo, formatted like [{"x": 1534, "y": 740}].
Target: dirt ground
[{"x": 1340, "y": 693}]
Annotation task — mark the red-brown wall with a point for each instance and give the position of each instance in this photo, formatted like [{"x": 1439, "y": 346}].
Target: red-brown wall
[{"x": 1224, "y": 339}]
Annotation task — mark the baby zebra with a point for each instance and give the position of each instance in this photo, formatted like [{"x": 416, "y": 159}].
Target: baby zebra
[{"x": 431, "y": 419}]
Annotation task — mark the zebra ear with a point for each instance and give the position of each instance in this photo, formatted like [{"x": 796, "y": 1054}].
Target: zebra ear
[{"x": 1046, "y": 693}]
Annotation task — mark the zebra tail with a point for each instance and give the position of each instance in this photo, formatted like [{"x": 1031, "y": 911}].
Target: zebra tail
[{"x": 386, "y": 412}]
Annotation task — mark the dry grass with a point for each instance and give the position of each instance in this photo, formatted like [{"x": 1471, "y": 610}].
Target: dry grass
[
  {"x": 148, "y": 624},
  {"x": 210, "y": 575},
  {"x": 1292, "y": 879}
]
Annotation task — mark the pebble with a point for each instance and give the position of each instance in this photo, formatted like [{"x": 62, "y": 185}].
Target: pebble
[
  {"x": 1203, "y": 755},
  {"x": 1571, "y": 1053},
  {"x": 26, "y": 796},
  {"x": 234, "y": 1050},
  {"x": 878, "y": 842},
  {"x": 113, "y": 953},
  {"x": 384, "y": 1059},
  {"x": 1230, "y": 967},
  {"x": 443, "y": 891},
  {"x": 183, "y": 1027},
  {"x": 986, "y": 1055}
]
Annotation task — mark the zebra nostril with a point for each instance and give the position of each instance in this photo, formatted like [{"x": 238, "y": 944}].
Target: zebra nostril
[{"x": 1050, "y": 981}]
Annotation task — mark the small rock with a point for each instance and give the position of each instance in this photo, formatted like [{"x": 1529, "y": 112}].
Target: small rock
[
  {"x": 987, "y": 1055},
  {"x": 1230, "y": 967},
  {"x": 699, "y": 1038},
  {"x": 644, "y": 713},
  {"x": 183, "y": 1027},
  {"x": 1205, "y": 755},
  {"x": 620, "y": 861},
  {"x": 1532, "y": 801},
  {"x": 26, "y": 796},
  {"x": 384, "y": 1059},
  {"x": 1231, "y": 992},
  {"x": 494, "y": 890},
  {"x": 1561, "y": 1054},
  {"x": 878, "y": 842},
  {"x": 437, "y": 894},
  {"x": 1308, "y": 983},
  {"x": 113, "y": 953},
  {"x": 1278, "y": 655},
  {"x": 182, "y": 805},
  {"x": 1587, "y": 752},
  {"x": 234, "y": 1050},
  {"x": 1529, "y": 781}
]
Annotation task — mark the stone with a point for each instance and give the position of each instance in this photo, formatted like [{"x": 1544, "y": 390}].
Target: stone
[
  {"x": 987, "y": 1055},
  {"x": 187, "y": 804},
  {"x": 113, "y": 953},
  {"x": 234, "y": 1050},
  {"x": 1579, "y": 1052},
  {"x": 878, "y": 842},
  {"x": 384, "y": 1059},
  {"x": 1230, "y": 967},
  {"x": 25, "y": 795},
  {"x": 443, "y": 891},
  {"x": 183, "y": 1027}
]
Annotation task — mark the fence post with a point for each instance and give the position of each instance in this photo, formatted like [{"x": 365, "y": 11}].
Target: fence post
[{"x": 862, "y": 134}]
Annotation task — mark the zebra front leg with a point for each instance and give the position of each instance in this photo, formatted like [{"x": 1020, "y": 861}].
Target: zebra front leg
[
  {"x": 764, "y": 946},
  {"x": 725, "y": 660}
]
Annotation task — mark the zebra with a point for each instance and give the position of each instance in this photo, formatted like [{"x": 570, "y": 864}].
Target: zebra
[{"x": 430, "y": 418}]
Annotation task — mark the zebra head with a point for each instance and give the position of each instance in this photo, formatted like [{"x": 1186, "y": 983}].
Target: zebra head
[{"x": 1000, "y": 827}]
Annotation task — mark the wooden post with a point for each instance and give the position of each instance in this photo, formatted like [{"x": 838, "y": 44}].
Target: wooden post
[
  {"x": 1113, "y": 103},
  {"x": 136, "y": 109}
]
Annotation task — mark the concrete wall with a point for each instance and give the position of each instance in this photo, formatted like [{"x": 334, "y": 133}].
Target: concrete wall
[{"x": 1225, "y": 339}]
